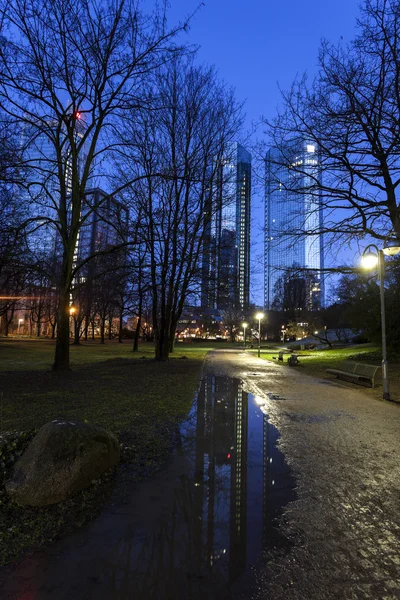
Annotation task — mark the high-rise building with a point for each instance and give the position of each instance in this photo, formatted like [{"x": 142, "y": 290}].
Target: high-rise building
[
  {"x": 293, "y": 250},
  {"x": 226, "y": 253},
  {"x": 40, "y": 147},
  {"x": 105, "y": 222}
]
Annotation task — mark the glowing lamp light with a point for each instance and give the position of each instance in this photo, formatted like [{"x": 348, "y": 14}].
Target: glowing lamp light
[
  {"x": 260, "y": 316},
  {"x": 369, "y": 260},
  {"x": 72, "y": 310},
  {"x": 78, "y": 115}
]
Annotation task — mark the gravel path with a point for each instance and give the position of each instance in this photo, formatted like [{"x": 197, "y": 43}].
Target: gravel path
[{"x": 343, "y": 447}]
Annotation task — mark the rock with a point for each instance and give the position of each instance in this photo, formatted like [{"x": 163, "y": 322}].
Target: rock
[{"x": 63, "y": 457}]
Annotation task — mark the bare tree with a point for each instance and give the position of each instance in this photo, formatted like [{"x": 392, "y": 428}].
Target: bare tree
[
  {"x": 69, "y": 72},
  {"x": 184, "y": 140},
  {"x": 349, "y": 118}
]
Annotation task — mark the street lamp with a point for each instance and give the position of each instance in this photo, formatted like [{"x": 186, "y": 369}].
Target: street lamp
[
  {"x": 244, "y": 335},
  {"x": 72, "y": 311},
  {"x": 259, "y": 316},
  {"x": 372, "y": 257}
]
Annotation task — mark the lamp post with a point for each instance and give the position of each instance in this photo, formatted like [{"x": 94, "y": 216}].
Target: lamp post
[
  {"x": 259, "y": 316},
  {"x": 372, "y": 257},
  {"x": 244, "y": 335},
  {"x": 72, "y": 311}
]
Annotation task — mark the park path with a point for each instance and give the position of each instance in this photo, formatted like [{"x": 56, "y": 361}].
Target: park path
[
  {"x": 223, "y": 520},
  {"x": 343, "y": 447}
]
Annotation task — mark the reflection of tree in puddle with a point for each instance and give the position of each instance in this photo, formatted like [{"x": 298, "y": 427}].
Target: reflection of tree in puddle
[{"x": 204, "y": 542}]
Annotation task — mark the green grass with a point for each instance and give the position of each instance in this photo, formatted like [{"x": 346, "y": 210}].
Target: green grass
[{"x": 142, "y": 401}]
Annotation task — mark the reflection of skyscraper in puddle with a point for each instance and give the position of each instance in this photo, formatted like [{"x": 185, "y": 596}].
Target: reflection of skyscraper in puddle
[
  {"x": 221, "y": 476},
  {"x": 278, "y": 485}
]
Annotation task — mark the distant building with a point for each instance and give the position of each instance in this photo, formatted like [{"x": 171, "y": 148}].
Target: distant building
[
  {"x": 101, "y": 278},
  {"x": 41, "y": 196},
  {"x": 226, "y": 253},
  {"x": 293, "y": 262},
  {"x": 104, "y": 227}
]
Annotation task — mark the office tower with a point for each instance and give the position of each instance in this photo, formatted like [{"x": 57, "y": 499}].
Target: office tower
[
  {"x": 226, "y": 252},
  {"x": 45, "y": 149},
  {"x": 105, "y": 222},
  {"x": 293, "y": 250}
]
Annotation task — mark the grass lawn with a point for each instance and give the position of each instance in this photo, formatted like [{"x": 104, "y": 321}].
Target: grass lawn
[
  {"x": 315, "y": 363},
  {"x": 109, "y": 384},
  {"x": 137, "y": 398}
]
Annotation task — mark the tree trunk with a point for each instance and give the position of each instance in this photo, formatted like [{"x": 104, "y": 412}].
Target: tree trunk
[
  {"x": 61, "y": 358},
  {"x": 102, "y": 330},
  {"x": 137, "y": 333},
  {"x": 77, "y": 328},
  {"x": 110, "y": 328},
  {"x": 93, "y": 330},
  {"x": 86, "y": 330},
  {"x": 120, "y": 328},
  {"x": 162, "y": 344},
  {"x": 53, "y": 330},
  {"x": 138, "y": 324}
]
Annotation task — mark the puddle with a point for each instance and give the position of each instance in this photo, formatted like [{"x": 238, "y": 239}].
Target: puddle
[{"x": 192, "y": 531}]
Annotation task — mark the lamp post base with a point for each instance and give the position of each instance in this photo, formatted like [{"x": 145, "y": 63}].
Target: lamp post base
[{"x": 386, "y": 396}]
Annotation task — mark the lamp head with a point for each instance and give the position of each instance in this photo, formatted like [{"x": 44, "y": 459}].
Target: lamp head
[
  {"x": 391, "y": 247},
  {"x": 244, "y": 325},
  {"x": 259, "y": 316},
  {"x": 369, "y": 260}
]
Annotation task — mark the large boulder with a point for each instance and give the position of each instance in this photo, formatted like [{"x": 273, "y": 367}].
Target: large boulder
[{"x": 62, "y": 458}]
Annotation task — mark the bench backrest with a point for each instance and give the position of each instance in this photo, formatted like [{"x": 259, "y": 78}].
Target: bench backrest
[
  {"x": 349, "y": 366},
  {"x": 367, "y": 370}
]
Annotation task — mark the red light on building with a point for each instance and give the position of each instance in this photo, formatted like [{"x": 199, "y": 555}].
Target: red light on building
[
  {"x": 78, "y": 116},
  {"x": 229, "y": 455}
]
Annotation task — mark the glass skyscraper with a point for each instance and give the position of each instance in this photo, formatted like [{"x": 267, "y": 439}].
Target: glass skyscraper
[
  {"x": 41, "y": 195},
  {"x": 293, "y": 250},
  {"x": 226, "y": 254}
]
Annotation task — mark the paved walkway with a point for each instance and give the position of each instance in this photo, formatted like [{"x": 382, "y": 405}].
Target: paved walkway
[{"x": 344, "y": 448}]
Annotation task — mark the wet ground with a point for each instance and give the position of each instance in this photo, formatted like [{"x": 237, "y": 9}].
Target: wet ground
[{"x": 282, "y": 486}]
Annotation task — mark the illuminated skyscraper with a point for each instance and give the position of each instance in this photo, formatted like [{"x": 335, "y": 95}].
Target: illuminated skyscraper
[
  {"x": 293, "y": 207},
  {"x": 44, "y": 150},
  {"x": 226, "y": 255}
]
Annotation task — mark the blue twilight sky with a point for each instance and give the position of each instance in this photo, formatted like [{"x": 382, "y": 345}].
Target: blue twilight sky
[{"x": 256, "y": 45}]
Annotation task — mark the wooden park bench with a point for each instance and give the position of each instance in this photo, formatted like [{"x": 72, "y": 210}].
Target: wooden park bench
[{"x": 357, "y": 372}]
